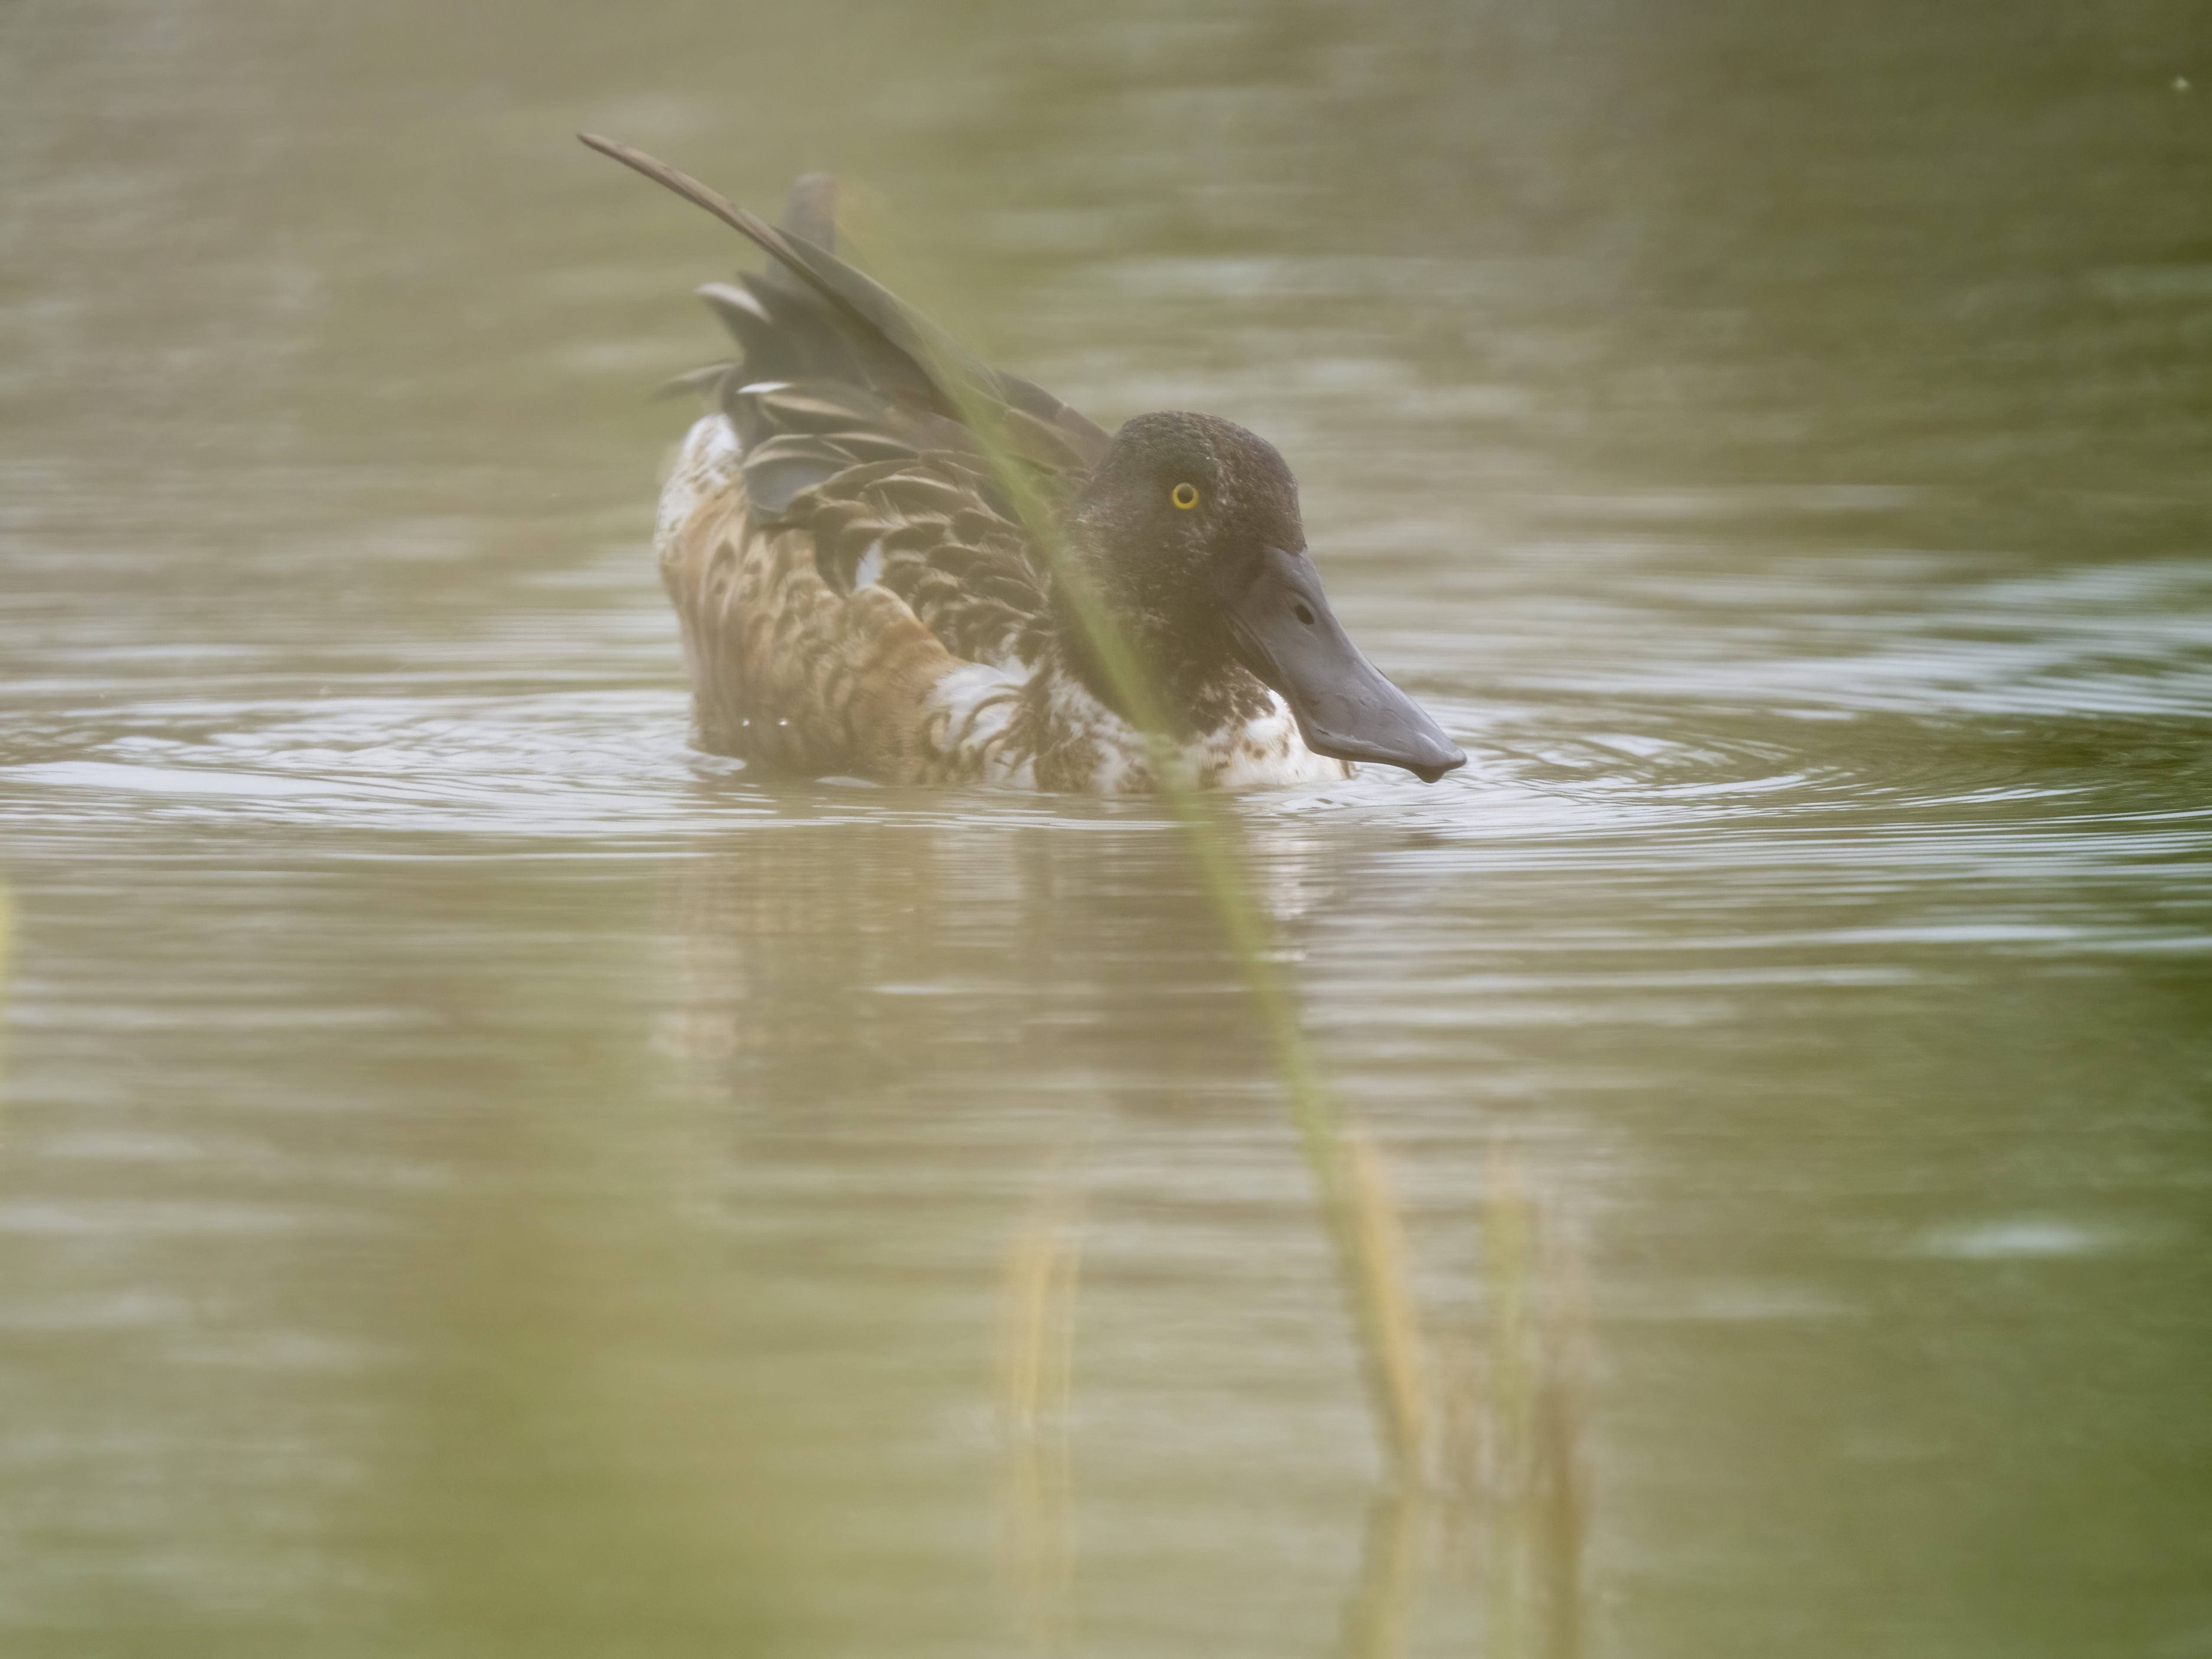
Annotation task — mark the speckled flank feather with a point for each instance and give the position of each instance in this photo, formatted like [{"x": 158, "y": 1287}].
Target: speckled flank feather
[{"x": 785, "y": 671}]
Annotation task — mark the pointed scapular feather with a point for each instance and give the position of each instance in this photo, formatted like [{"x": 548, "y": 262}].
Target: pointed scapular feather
[
  {"x": 913, "y": 495},
  {"x": 707, "y": 377},
  {"x": 1045, "y": 445},
  {"x": 785, "y": 466},
  {"x": 906, "y": 357},
  {"x": 875, "y": 446},
  {"x": 824, "y": 407}
]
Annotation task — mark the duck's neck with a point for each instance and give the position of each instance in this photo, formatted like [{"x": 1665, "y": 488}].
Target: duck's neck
[{"x": 1185, "y": 699}]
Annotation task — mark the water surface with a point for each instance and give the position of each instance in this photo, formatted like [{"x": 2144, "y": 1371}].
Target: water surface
[{"x": 479, "y": 1177}]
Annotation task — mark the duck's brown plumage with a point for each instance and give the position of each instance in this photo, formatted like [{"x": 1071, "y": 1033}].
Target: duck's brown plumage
[{"x": 860, "y": 595}]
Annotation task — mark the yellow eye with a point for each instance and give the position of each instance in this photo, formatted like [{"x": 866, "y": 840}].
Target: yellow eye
[{"x": 1184, "y": 496}]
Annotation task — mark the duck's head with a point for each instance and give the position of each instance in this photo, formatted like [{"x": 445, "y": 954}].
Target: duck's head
[{"x": 1187, "y": 540}]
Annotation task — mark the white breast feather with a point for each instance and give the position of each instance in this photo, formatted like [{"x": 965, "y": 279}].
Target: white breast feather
[{"x": 1267, "y": 751}]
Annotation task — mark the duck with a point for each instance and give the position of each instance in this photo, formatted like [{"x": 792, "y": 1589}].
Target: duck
[{"x": 890, "y": 562}]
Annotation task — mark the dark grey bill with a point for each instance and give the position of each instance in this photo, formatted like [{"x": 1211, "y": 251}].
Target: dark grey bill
[{"x": 1287, "y": 633}]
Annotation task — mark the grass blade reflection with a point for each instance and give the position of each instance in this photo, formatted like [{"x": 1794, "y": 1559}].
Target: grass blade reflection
[{"x": 1035, "y": 1354}]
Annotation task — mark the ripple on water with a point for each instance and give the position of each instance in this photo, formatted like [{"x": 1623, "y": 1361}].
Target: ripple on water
[{"x": 1545, "y": 782}]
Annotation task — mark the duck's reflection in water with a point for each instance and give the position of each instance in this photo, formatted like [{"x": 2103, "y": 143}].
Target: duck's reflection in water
[
  {"x": 832, "y": 961},
  {"x": 907, "y": 1021}
]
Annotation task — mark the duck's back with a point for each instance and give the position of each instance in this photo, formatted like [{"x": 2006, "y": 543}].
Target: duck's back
[{"x": 835, "y": 538}]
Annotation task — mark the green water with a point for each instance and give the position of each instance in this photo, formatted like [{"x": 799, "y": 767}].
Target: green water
[{"x": 477, "y": 1178}]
